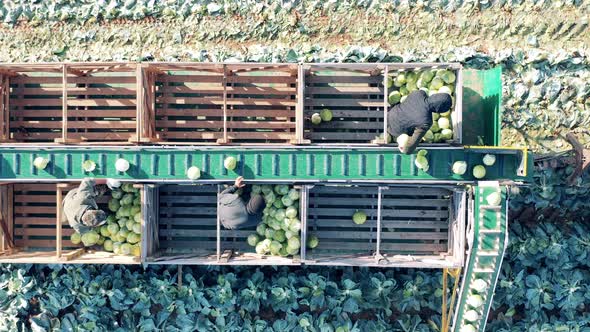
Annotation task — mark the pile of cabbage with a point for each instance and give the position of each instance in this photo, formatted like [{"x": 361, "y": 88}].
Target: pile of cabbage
[
  {"x": 279, "y": 232},
  {"x": 324, "y": 115},
  {"x": 122, "y": 232},
  {"x": 402, "y": 84}
]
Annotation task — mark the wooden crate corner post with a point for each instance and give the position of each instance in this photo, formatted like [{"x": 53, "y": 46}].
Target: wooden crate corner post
[
  {"x": 7, "y": 244},
  {"x": 146, "y": 103},
  {"x": 299, "y": 110},
  {"x": 58, "y": 219},
  {"x": 5, "y": 106},
  {"x": 225, "y": 139}
]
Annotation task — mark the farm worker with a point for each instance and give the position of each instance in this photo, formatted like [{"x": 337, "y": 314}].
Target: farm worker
[
  {"x": 414, "y": 117},
  {"x": 79, "y": 206},
  {"x": 236, "y": 213}
]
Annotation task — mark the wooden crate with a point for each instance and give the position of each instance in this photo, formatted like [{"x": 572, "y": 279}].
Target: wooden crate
[
  {"x": 102, "y": 102},
  {"x": 354, "y": 94},
  {"x": 188, "y": 231},
  {"x": 329, "y": 217},
  {"x": 186, "y": 223},
  {"x": 222, "y": 103},
  {"x": 31, "y": 103},
  {"x": 32, "y": 217},
  {"x": 415, "y": 221},
  {"x": 70, "y": 103},
  {"x": 407, "y": 226},
  {"x": 357, "y": 96},
  {"x": 31, "y": 212}
]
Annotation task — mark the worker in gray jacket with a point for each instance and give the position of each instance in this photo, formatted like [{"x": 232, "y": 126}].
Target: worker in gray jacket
[
  {"x": 236, "y": 213},
  {"x": 414, "y": 116},
  {"x": 79, "y": 206}
]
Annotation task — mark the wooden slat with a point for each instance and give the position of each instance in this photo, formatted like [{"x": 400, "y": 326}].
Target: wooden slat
[
  {"x": 254, "y": 90},
  {"x": 102, "y": 136},
  {"x": 34, "y": 187},
  {"x": 200, "y": 222},
  {"x": 101, "y": 80},
  {"x": 199, "y": 192},
  {"x": 188, "y": 199},
  {"x": 42, "y": 231},
  {"x": 92, "y": 124},
  {"x": 260, "y": 135},
  {"x": 366, "y": 115},
  {"x": 127, "y": 102},
  {"x": 386, "y": 235},
  {"x": 348, "y": 223},
  {"x": 391, "y": 202},
  {"x": 200, "y": 210},
  {"x": 21, "y": 79},
  {"x": 340, "y": 79},
  {"x": 192, "y": 135},
  {"x": 344, "y": 90},
  {"x": 330, "y": 102},
  {"x": 357, "y": 125},
  {"x": 232, "y": 101},
  {"x": 50, "y": 244},
  {"x": 33, "y": 137},
  {"x": 261, "y": 79},
  {"x": 233, "y": 124},
  {"x": 278, "y": 113},
  {"x": 22, "y": 102},
  {"x": 93, "y": 113},
  {"x": 75, "y": 91},
  {"x": 204, "y": 233},
  {"x": 30, "y": 209},
  {"x": 401, "y": 247},
  {"x": 336, "y": 136}
]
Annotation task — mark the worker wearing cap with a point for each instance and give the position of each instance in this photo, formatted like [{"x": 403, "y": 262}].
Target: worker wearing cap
[
  {"x": 234, "y": 212},
  {"x": 414, "y": 116},
  {"x": 79, "y": 206}
]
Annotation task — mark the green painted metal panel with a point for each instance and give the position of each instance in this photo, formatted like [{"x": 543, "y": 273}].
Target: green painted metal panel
[
  {"x": 482, "y": 106},
  {"x": 273, "y": 164}
]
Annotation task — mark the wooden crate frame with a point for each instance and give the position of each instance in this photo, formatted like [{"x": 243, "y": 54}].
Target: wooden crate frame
[
  {"x": 201, "y": 103},
  {"x": 189, "y": 231},
  {"x": 222, "y": 103},
  {"x": 354, "y": 94},
  {"x": 352, "y": 91},
  {"x": 31, "y": 103},
  {"x": 71, "y": 103},
  {"x": 33, "y": 212},
  {"x": 386, "y": 240}
]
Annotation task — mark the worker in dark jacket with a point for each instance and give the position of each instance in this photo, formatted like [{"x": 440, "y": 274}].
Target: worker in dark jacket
[
  {"x": 414, "y": 116},
  {"x": 234, "y": 212},
  {"x": 79, "y": 206}
]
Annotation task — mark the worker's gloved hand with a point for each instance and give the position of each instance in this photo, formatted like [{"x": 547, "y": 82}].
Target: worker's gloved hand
[
  {"x": 239, "y": 182},
  {"x": 113, "y": 184}
]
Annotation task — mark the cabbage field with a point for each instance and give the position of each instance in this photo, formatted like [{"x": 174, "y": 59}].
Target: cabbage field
[{"x": 543, "y": 48}]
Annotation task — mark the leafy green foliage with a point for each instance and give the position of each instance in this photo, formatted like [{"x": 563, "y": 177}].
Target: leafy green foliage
[
  {"x": 545, "y": 282},
  {"x": 107, "y": 297}
]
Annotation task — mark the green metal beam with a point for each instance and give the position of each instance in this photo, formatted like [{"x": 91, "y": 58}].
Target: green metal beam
[{"x": 254, "y": 163}]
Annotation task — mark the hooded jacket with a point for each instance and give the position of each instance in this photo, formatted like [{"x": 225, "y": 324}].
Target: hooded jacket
[{"x": 414, "y": 116}]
